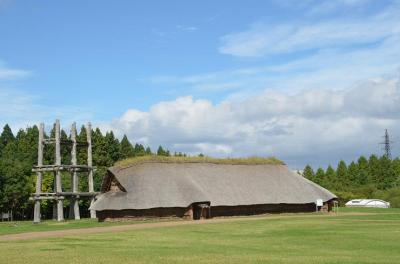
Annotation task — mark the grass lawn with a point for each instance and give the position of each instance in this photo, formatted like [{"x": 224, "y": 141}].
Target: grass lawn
[
  {"x": 50, "y": 225},
  {"x": 353, "y": 236}
]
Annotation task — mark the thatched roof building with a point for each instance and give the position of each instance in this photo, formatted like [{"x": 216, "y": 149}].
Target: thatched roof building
[{"x": 197, "y": 188}]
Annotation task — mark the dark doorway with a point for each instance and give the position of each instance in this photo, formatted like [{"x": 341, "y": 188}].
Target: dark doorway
[{"x": 201, "y": 211}]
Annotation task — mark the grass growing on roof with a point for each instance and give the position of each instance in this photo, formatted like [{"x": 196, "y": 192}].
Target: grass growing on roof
[{"x": 174, "y": 159}]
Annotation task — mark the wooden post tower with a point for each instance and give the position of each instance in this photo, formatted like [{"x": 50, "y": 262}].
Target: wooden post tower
[{"x": 58, "y": 195}]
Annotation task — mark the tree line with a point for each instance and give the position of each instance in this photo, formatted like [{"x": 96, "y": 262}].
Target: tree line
[
  {"x": 375, "y": 177},
  {"x": 18, "y": 154}
]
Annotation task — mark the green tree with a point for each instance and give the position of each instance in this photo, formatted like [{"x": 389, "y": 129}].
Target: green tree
[
  {"x": 373, "y": 170},
  {"x": 15, "y": 166},
  {"x": 353, "y": 175},
  {"x": 320, "y": 176},
  {"x": 82, "y": 152},
  {"x": 6, "y": 137},
  {"x": 19, "y": 153},
  {"x": 112, "y": 146},
  {"x": 148, "y": 151},
  {"x": 341, "y": 181},
  {"x": 65, "y": 149},
  {"x": 308, "y": 172},
  {"x": 126, "y": 148},
  {"x": 330, "y": 178},
  {"x": 386, "y": 177},
  {"x": 100, "y": 149},
  {"x": 139, "y": 150},
  {"x": 161, "y": 151},
  {"x": 396, "y": 167},
  {"x": 363, "y": 171}
]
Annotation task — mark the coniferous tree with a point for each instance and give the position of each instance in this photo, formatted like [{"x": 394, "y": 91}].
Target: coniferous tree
[
  {"x": 376, "y": 177},
  {"x": 330, "y": 178},
  {"x": 363, "y": 171},
  {"x": 320, "y": 176},
  {"x": 100, "y": 152},
  {"x": 126, "y": 148},
  {"x": 82, "y": 152},
  {"x": 139, "y": 150},
  {"x": 373, "y": 169},
  {"x": 341, "y": 181},
  {"x": 386, "y": 177},
  {"x": 352, "y": 174},
  {"x": 396, "y": 167},
  {"x": 65, "y": 149},
  {"x": 113, "y": 147},
  {"x": 148, "y": 151},
  {"x": 161, "y": 151},
  {"x": 308, "y": 172},
  {"x": 19, "y": 153},
  {"x": 16, "y": 168},
  {"x": 6, "y": 137}
]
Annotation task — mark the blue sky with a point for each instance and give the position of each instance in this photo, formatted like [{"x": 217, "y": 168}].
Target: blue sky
[
  {"x": 108, "y": 52},
  {"x": 224, "y": 78}
]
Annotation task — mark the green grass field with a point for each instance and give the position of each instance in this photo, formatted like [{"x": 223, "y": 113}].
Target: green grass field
[
  {"x": 352, "y": 236},
  {"x": 49, "y": 225}
]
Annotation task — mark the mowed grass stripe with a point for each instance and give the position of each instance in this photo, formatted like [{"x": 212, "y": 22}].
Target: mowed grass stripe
[
  {"x": 23, "y": 227},
  {"x": 53, "y": 230}
]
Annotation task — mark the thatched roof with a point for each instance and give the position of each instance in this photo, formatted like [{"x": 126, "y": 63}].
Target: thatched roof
[{"x": 172, "y": 184}]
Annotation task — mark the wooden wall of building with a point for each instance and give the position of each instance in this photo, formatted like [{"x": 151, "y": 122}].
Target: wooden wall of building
[{"x": 216, "y": 211}]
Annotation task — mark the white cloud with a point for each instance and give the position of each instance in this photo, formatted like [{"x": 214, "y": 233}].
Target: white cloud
[
  {"x": 314, "y": 126},
  {"x": 20, "y": 109},
  {"x": 7, "y": 73},
  {"x": 269, "y": 39},
  {"x": 324, "y": 7},
  {"x": 314, "y": 108},
  {"x": 332, "y": 69},
  {"x": 346, "y": 51},
  {"x": 186, "y": 28}
]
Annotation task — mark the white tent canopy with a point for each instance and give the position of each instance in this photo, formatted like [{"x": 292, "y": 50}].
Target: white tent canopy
[{"x": 368, "y": 203}]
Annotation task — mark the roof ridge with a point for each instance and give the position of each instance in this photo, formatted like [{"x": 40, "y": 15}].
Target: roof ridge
[
  {"x": 119, "y": 168},
  {"x": 127, "y": 163}
]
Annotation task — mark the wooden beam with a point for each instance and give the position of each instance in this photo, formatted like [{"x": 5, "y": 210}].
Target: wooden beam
[
  {"x": 54, "y": 194},
  {"x": 90, "y": 164},
  {"x": 65, "y": 142},
  {"x": 60, "y": 204},
  {"x": 36, "y": 214},
  {"x": 78, "y": 193},
  {"x": 74, "y": 207},
  {"x": 47, "y": 198},
  {"x": 55, "y": 167}
]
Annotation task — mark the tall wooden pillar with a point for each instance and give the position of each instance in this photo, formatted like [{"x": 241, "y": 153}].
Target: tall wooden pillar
[
  {"x": 60, "y": 202},
  {"x": 90, "y": 165},
  {"x": 74, "y": 207},
  {"x": 54, "y": 217},
  {"x": 39, "y": 175}
]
